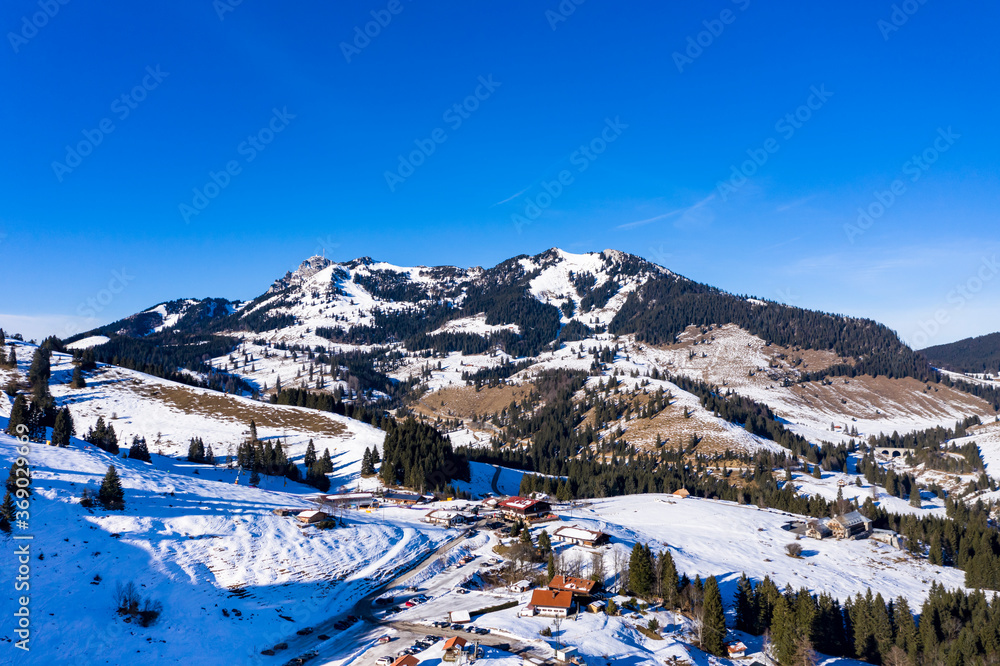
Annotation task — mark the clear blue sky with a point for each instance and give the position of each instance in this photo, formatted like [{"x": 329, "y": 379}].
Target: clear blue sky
[{"x": 199, "y": 80}]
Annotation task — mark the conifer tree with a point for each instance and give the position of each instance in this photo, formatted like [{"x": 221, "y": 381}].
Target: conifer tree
[
  {"x": 63, "y": 429},
  {"x": 7, "y": 512},
  {"x": 19, "y": 471},
  {"x": 326, "y": 463},
  {"x": 367, "y": 469},
  {"x": 78, "y": 382},
  {"x": 550, "y": 569},
  {"x": 209, "y": 455},
  {"x": 111, "y": 494},
  {"x": 310, "y": 457},
  {"x": 254, "y": 478},
  {"x": 139, "y": 450},
  {"x": 18, "y": 417},
  {"x": 196, "y": 450},
  {"x": 253, "y": 431},
  {"x": 640, "y": 571},
  {"x": 743, "y": 602},
  {"x": 668, "y": 578},
  {"x": 713, "y": 619}
]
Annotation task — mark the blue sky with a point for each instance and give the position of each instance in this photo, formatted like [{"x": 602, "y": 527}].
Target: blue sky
[{"x": 203, "y": 149}]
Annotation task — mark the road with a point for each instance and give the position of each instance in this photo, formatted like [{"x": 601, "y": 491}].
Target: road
[{"x": 493, "y": 482}]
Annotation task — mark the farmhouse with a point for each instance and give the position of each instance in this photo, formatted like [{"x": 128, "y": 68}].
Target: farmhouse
[
  {"x": 453, "y": 648},
  {"x": 406, "y": 660},
  {"x": 520, "y": 586},
  {"x": 818, "y": 530},
  {"x": 513, "y": 508},
  {"x": 579, "y": 536},
  {"x": 551, "y": 603},
  {"x": 310, "y": 517},
  {"x": 446, "y": 518},
  {"x": 736, "y": 650},
  {"x": 578, "y": 587},
  {"x": 850, "y": 526}
]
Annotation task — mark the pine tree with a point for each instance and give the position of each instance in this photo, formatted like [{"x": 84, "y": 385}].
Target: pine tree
[
  {"x": 550, "y": 569},
  {"x": 111, "y": 494},
  {"x": 310, "y": 457},
  {"x": 196, "y": 450},
  {"x": 18, "y": 417},
  {"x": 783, "y": 631},
  {"x": 12, "y": 359},
  {"x": 367, "y": 469},
  {"x": 209, "y": 455},
  {"x": 376, "y": 459},
  {"x": 139, "y": 450},
  {"x": 63, "y": 429},
  {"x": 743, "y": 602},
  {"x": 78, "y": 382},
  {"x": 326, "y": 463},
  {"x": 19, "y": 477},
  {"x": 915, "y": 496},
  {"x": 713, "y": 619},
  {"x": 668, "y": 578},
  {"x": 640, "y": 571},
  {"x": 40, "y": 370},
  {"x": 7, "y": 512},
  {"x": 253, "y": 431},
  {"x": 544, "y": 542},
  {"x": 254, "y": 478}
]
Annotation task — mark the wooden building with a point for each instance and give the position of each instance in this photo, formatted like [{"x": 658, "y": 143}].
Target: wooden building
[{"x": 579, "y": 536}]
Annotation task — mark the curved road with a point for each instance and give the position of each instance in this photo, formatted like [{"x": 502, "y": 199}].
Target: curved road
[{"x": 496, "y": 477}]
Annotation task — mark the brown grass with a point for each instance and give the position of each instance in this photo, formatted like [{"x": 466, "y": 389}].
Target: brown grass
[{"x": 221, "y": 406}]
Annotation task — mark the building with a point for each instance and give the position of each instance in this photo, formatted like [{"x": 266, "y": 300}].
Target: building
[
  {"x": 850, "y": 526},
  {"x": 311, "y": 517},
  {"x": 682, "y": 493},
  {"x": 579, "y": 536},
  {"x": 401, "y": 498},
  {"x": 453, "y": 648},
  {"x": 889, "y": 537},
  {"x": 459, "y": 616},
  {"x": 596, "y": 606},
  {"x": 578, "y": 587},
  {"x": 737, "y": 650},
  {"x": 406, "y": 660},
  {"x": 445, "y": 518},
  {"x": 513, "y": 508},
  {"x": 551, "y": 603},
  {"x": 520, "y": 586},
  {"x": 348, "y": 500},
  {"x": 817, "y": 530}
]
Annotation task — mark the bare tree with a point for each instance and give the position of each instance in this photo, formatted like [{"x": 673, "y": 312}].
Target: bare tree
[{"x": 597, "y": 568}]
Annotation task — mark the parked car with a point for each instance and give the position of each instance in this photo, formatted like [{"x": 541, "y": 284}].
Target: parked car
[
  {"x": 384, "y": 661},
  {"x": 482, "y": 631},
  {"x": 462, "y": 590},
  {"x": 304, "y": 631},
  {"x": 385, "y": 639}
]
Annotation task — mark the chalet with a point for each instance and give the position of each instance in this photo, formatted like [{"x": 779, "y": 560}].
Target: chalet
[
  {"x": 596, "y": 606},
  {"x": 445, "y": 518},
  {"x": 311, "y": 517},
  {"x": 737, "y": 650},
  {"x": 401, "y": 498},
  {"x": 520, "y": 586},
  {"x": 682, "y": 493},
  {"x": 818, "y": 530},
  {"x": 513, "y": 508},
  {"x": 551, "y": 603},
  {"x": 579, "y": 536},
  {"x": 850, "y": 526},
  {"x": 453, "y": 648},
  {"x": 578, "y": 587},
  {"x": 406, "y": 660}
]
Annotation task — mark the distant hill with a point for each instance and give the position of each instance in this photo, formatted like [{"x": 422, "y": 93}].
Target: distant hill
[{"x": 981, "y": 354}]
